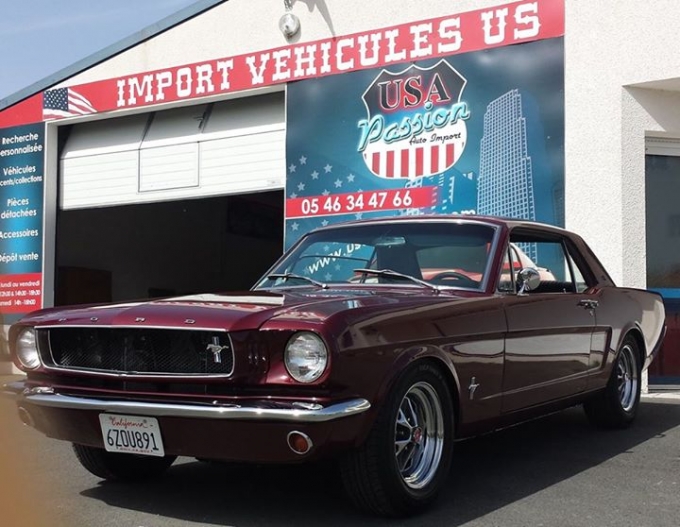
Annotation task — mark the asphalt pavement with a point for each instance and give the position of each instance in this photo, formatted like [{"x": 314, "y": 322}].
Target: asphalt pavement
[{"x": 553, "y": 472}]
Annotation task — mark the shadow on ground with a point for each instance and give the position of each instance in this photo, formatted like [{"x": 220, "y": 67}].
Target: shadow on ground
[{"x": 489, "y": 473}]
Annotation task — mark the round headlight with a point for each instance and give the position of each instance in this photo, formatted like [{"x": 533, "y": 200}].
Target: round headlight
[
  {"x": 306, "y": 357},
  {"x": 26, "y": 349}
]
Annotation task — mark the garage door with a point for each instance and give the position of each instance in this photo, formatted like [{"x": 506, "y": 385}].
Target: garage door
[{"x": 230, "y": 147}]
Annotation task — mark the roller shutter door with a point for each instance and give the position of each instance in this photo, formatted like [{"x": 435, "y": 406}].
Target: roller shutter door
[{"x": 230, "y": 147}]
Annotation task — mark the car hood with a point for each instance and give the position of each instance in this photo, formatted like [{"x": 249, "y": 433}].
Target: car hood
[{"x": 234, "y": 312}]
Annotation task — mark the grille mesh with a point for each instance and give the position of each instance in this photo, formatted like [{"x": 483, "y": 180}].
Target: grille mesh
[{"x": 141, "y": 350}]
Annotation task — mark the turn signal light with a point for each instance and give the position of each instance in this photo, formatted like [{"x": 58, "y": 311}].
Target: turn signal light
[{"x": 299, "y": 443}]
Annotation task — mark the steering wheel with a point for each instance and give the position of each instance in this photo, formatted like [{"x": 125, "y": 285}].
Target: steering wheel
[{"x": 461, "y": 279}]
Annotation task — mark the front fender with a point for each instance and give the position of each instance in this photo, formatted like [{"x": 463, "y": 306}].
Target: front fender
[{"x": 395, "y": 369}]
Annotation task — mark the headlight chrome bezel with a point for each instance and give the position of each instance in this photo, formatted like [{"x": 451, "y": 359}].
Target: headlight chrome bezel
[
  {"x": 306, "y": 357},
  {"x": 26, "y": 349}
]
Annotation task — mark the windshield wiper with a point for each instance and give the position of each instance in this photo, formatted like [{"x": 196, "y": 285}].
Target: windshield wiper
[
  {"x": 390, "y": 272},
  {"x": 287, "y": 276}
]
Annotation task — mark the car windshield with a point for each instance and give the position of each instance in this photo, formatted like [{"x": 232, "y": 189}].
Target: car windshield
[{"x": 443, "y": 254}]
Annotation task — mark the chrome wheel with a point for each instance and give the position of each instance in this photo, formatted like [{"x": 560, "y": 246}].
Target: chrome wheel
[
  {"x": 403, "y": 464},
  {"x": 419, "y": 435},
  {"x": 616, "y": 405},
  {"x": 627, "y": 378}
]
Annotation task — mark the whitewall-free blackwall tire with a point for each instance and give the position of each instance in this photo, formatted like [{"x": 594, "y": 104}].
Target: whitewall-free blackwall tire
[
  {"x": 616, "y": 406},
  {"x": 404, "y": 463}
]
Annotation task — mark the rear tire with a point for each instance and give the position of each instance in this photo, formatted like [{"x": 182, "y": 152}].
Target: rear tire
[
  {"x": 405, "y": 461},
  {"x": 113, "y": 466},
  {"x": 616, "y": 406}
]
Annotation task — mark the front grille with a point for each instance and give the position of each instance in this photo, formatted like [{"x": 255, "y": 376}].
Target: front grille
[{"x": 141, "y": 350}]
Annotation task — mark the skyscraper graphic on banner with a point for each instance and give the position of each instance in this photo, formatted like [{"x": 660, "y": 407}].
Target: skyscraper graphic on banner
[
  {"x": 506, "y": 183},
  {"x": 455, "y": 196}
]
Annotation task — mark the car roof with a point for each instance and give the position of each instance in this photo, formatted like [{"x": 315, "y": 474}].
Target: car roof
[{"x": 496, "y": 221}]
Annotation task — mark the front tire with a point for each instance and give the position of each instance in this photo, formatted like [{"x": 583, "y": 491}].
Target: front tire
[
  {"x": 405, "y": 461},
  {"x": 616, "y": 406},
  {"x": 113, "y": 466}
]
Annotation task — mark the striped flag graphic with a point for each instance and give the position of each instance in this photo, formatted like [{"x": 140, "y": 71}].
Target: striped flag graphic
[
  {"x": 65, "y": 102},
  {"x": 410, "y": 162}
]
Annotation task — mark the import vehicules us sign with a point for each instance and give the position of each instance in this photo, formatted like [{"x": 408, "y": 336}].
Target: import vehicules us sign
[{"x": 512, "y": 23}]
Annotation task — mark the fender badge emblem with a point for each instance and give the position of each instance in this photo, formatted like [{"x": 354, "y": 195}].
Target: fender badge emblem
[{"x": 473, "y": 387}]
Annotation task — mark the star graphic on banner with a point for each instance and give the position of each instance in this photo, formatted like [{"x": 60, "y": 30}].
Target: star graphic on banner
[
  {"x": 326, "y": 248},
  {"x": 337, "y": 267},
  {"x": 359, "y": 215},
  {"x": 301, "y": 187},
  {"x": 291, "y": 168},
  {"x": 315, "y": 175},
  {"x": 324, "y": 223},
  {"x": 328, "y": 277},
  {"x": 293, "y": 195},
  {"x": 303, "y": 160},
  {"x": 295, "y": 226},
  {"x": 338, "y": 183},
  {"x": 325, "y": 193},
  {"x": 327, "y": 168}
]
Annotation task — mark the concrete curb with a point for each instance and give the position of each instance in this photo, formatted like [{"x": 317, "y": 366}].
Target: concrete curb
[{"x": 662, "y": 395}]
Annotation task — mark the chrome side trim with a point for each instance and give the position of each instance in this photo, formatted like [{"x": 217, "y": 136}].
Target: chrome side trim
[{"x": 291, "y": 413}]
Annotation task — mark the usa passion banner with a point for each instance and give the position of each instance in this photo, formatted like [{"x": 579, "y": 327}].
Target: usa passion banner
[{"x": 471, "y": 133}]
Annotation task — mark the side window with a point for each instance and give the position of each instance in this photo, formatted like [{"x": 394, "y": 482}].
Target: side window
[
  {"x": 547, "y": 254},
  {"x": 579, "y": 278}
]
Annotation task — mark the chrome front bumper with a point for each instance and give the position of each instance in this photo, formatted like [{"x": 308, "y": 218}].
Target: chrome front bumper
[{"x": 292, "y": 412}]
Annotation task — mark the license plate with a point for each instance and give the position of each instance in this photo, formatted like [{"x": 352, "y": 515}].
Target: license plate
[{"x": 131, "y": 434}]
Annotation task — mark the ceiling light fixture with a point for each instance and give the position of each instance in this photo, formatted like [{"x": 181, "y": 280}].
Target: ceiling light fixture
[{"x": 289, "y": 24}]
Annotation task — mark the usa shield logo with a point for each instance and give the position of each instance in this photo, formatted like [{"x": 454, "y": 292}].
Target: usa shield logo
[{"x": 416, "y": 122}]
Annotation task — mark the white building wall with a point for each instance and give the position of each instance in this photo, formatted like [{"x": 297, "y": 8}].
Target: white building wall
[
  {"x": 611, "y": 47},
  {"x": 612, "y": 50}
]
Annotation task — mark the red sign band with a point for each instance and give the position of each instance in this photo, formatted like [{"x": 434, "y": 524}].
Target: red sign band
[{"x": 359, "y": 202}]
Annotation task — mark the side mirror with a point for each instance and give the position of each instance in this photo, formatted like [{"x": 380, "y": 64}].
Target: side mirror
[{"x": 528, "y": 279}]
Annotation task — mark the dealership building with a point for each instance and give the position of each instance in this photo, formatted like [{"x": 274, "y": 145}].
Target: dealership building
[{"x": 188, "y": 157}]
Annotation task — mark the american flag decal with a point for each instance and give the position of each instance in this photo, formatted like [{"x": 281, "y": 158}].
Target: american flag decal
[{"x": 65, "y": 102}]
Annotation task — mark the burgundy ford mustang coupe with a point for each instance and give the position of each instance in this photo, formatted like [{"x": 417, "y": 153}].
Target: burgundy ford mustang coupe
[{"x": 375, "y": 343}]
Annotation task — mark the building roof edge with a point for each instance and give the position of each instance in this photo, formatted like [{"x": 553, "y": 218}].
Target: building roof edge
[{"x": 110, "y": 51}]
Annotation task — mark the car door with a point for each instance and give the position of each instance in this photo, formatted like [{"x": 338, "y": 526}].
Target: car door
[{"x": 548, "y": 341}]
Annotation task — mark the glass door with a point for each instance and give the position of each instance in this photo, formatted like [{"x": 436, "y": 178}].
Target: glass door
[{"x": 662, "y": 200}]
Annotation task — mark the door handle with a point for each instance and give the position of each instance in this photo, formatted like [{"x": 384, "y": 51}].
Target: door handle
[{"x": 588, "y": 304}]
